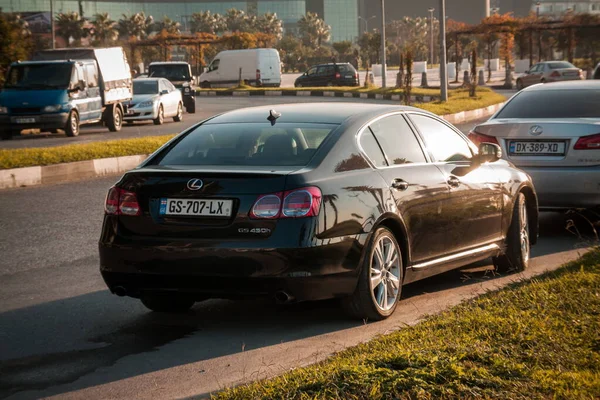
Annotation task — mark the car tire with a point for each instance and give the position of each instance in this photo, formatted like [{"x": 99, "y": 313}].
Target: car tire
[
  {"x": 205, "y": 85},
  {"x": 160, "y": 118},
  {"x": 167, "y": 303},
  {"x": 6, "y": 135},
  {"x": 543, "y": 80},
  {"x": 179, "y": 116},
  {"x": 516, "y": 255},
  {"x": 114, "y": 119},
  {"x": 72, "y": 126},
  {"x": 370, "y": 299},
  {"x": 519, "y": 84}
]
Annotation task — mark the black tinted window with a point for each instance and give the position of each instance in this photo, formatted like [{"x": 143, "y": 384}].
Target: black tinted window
[
  {"x": 443, "y": 142},
  {"x": 553, "y": 104},
  {"x": 284, "y": 144},
  {"x": 371, "y": 149},
  {"x": 397, "y": 140}
]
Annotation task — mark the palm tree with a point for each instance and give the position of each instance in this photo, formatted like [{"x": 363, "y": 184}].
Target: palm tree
[
  {"x": 168, "y": 25},
  {"x": 236, "y": 20},
  {"x": 71, "y": 26},
  {"x": 135, "y": 25},
  {"x": 269, "y": 23},
  {"x": 205, "y": 22},
  {"x": 313, "y": 30},
  {"x": 105, "y": 29}
]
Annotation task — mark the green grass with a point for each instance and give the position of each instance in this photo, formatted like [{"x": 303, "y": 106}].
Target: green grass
[
  {"x": 538, "y": 339},
  {"x": 17, "y": 158},
  {"x": 459, "y": 100}
]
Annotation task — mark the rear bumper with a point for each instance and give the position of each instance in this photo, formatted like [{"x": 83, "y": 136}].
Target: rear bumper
[
  {"x": 574, "y": 187},
  {"x": 310, "y": 273},
  {"x": 42, "y": 122}
]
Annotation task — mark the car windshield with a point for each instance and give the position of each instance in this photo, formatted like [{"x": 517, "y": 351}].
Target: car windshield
[
  {"x": 573, "y": 103},
  {"x": 560, "y": 65},
  {"x": 174, "y": 72},
  {"x": 259, "y": 144},
  {"x": 145, "y": 87},
  {"x": 39, "y": 76}
]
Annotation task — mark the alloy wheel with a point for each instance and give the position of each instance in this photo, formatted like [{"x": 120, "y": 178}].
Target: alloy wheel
[
  {"x": 385, "y": 273},
  {"x": 524, "y": 232}
]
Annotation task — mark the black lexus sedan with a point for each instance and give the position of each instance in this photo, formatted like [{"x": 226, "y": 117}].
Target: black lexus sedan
[{"x": 312, "y": 201}]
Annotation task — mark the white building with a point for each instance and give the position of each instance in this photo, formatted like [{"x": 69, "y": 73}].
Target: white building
[{"x": 557, "y": 8}]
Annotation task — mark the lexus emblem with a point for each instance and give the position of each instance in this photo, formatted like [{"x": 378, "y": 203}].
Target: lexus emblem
[
  {"x": 195, "y": 184},
  {"x": 536, "y": 130}
]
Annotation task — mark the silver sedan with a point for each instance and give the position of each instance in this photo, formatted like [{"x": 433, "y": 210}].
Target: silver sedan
[
  {"x": 154, "y": 99},
  {"x": 552, "y": 132},
  {"x": 549, "y": 71}
]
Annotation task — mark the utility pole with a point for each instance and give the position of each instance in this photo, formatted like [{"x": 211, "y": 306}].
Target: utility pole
[
  {"x": 383, "y": 60},
  {"x": 443, "y": 64},
  {"x": 431, "y": 10},
  {"x": 52, "y": 24},
  {"x": 487, "y": 8}
]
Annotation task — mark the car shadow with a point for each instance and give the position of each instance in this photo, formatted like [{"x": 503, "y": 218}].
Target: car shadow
[{"x": 214, "y": 328}]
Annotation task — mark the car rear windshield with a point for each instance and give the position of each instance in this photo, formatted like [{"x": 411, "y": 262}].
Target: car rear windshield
[
  {"x": 172, "y": 72},
  {"x": 561, "y": 64},
  {"x": 553, "y": 104},
  {"x": 260, "y": 144},
  {"x": 145, "y": 87}
]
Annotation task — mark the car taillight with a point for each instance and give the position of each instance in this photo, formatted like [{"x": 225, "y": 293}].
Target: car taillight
[
  {"x": 297, "y": 203},
  {"x": 121, "y": 202},
  {"x": 267, "y": 206},
  {"x": 588, "y": 143},
  {"x": 258, "y": 74},
  {"x": 337, "y": 75},
  {"x": 555, "y": 74},
  {"x": 479, "y": 138}
]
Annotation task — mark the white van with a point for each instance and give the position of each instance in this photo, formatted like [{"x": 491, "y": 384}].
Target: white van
[{"x": 260, "y": 67}]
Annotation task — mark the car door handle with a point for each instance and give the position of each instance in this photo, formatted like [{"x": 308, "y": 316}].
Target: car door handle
[
  {"x": 400, "y": 184},
  {"x": 453, "y": 181}
]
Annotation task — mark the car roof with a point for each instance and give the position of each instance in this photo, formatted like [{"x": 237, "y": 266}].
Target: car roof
[
  {"x": 337, "y": 63},
  {"x": 145, "y": 79},
  {"x": 168, "y": 63},
  {"x": 318, "y": 112},
  {"x": 565, "y": 85}
]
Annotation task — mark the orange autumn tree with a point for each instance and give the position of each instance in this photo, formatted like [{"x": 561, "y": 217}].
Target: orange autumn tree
[{"x": 499, "y": 28}]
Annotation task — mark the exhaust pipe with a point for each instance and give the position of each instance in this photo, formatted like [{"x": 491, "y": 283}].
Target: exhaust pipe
[
  {"x": 120, "y": 291},
  {"x": 282, "y": 297}
]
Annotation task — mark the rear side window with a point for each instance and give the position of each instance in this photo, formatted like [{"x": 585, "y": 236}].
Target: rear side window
[
  {"x": 571, "y": 103},
  {"x": 372, "y": 149},
  {"x": 284, "y": 144},
  {"x": 560, "y": 64},
  {"x": 397, "y": 140}
]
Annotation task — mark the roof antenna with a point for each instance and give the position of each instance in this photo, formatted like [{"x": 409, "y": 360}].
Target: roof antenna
[{"x": 273, "y": 115}]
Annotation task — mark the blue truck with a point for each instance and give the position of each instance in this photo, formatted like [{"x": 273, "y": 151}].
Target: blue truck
[{"x": 66, "y": 88}]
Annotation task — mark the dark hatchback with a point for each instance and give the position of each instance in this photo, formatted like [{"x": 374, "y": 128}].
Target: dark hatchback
[
  {"x": 343, "y": 74},
  {"x": 353, "y": 204}
]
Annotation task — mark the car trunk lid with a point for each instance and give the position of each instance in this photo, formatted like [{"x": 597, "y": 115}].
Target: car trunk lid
[{"x": 544, "y": 142}]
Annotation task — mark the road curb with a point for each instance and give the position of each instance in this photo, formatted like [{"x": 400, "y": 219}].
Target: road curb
[
  {"x": 313, "y": 93},
  {"x": 67, "y": 172}
]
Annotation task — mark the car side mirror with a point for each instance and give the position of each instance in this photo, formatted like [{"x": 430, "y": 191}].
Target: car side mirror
[
  {"x": 489, "y": 152},
  {"x": 165, "y": 91}
]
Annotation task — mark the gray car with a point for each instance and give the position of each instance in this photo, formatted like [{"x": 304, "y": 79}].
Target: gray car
[
  {"x": 549, "y": 71},
  {"x": 552, "y": 132}
]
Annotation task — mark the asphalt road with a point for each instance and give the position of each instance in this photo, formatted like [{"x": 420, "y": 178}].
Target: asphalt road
[
  {"x": 63, "y": 334},
  {"x": 205, "y": 106}
]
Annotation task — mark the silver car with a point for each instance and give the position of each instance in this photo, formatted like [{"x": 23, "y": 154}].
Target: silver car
[
  {"x": 154, "y": 99},
  {"x": 549, "y": 71},
  {"x": 552, "y": 132}
]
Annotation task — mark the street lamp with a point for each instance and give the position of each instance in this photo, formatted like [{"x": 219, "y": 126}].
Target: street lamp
[
  {"x": 383, "y": 58},
  {"x": 443, "y": 65},
  {"x": 537, "y": 11},
  {"x": 431, "y": 10},
  {"x": 366, "y": 22},
  {"x": 52, "y": 24}
]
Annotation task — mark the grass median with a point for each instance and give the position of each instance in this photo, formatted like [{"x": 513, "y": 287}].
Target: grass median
[
  {"x": 537, "y": 339},
  {"x": 459, "y": 100}
]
